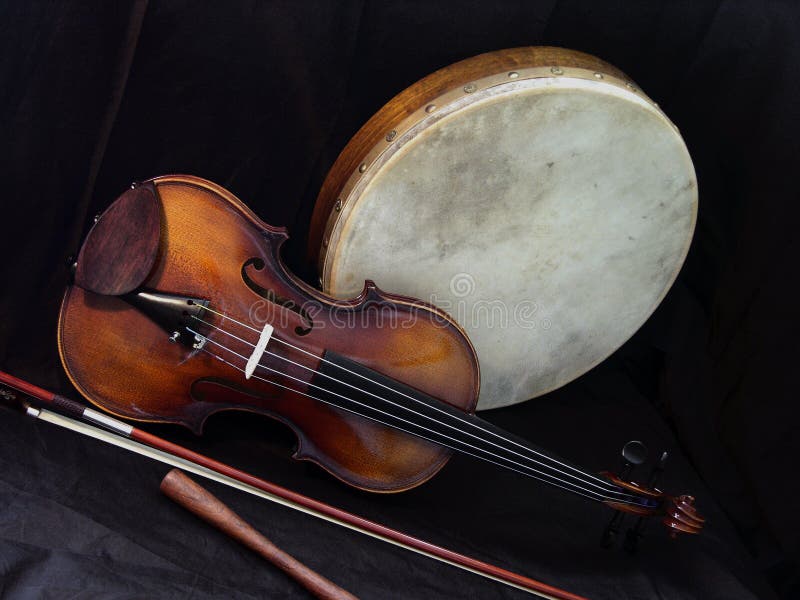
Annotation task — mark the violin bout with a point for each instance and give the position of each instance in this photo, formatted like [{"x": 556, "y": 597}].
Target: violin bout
[{"x": 173, "y": 288}]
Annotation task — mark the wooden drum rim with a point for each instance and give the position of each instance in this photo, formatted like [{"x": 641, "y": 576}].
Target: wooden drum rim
[{"x": 428, "y": 100}]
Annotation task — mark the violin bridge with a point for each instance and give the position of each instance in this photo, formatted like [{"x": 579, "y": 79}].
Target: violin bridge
[{"x": 258, "y": 351}]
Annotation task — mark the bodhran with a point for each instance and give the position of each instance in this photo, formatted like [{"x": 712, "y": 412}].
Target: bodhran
[{"x": 536, "y": 194}]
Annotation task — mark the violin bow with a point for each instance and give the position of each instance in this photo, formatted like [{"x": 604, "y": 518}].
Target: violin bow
[{"x": 83, "y": 420}]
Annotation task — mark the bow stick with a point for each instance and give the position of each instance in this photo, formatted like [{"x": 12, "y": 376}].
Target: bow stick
[{"x": 126, "y": 436}]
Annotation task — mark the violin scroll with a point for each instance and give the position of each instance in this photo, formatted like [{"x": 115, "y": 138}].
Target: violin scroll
[{"x": 681, "y": 516}]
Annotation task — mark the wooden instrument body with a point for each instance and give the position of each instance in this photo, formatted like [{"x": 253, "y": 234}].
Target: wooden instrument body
[{"x": 210, "y": 244}]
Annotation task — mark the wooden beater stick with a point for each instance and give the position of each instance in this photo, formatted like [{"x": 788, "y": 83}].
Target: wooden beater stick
[{"x": 195, "y": 498}]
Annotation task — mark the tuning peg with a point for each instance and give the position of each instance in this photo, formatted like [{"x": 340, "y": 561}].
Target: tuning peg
[
  {"x": 635, "y": 533},
  {"x": 634, "y": 453}
]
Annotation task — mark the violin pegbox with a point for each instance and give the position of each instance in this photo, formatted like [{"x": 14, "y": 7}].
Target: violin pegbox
[
  {"x": 677, "y": 513},
  {"x": 121, "y": 248}
]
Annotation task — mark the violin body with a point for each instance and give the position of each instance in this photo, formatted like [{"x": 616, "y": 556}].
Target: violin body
[
  {"x": 206, "y": 246},
  {"x": 181, "y": 307}
]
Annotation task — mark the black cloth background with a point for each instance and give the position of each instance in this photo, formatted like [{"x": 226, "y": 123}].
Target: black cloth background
[{"x": 260, "y": 97}]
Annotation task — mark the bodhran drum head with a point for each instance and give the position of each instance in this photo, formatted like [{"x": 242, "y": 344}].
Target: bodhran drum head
[{"x": 535, "y": 194}]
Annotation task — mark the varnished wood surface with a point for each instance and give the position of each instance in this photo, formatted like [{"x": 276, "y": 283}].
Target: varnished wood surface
[{"x": 123, "y": 362}]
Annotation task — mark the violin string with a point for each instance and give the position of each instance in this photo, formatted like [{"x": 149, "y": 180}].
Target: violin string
[
  {"x": 394, "y": 416},
  {"x": 450, "y": 440},
  {"x": 545, "y": 477},
  {"x": 400, "y": 406},
  {"x": 463, "y": 421}
]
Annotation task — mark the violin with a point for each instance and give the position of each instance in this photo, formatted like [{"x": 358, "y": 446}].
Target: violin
[{"x": 181, "y": 307}]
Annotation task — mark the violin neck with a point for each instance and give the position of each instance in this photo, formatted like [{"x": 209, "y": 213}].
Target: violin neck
[{"x": 353, "y": 387}]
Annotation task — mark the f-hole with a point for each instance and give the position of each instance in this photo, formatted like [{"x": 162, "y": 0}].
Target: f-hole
[{"x": 271, "y": 296}]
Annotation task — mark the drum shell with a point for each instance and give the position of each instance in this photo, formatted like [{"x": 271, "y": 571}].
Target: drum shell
[{"x": 365, "y": 156}]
